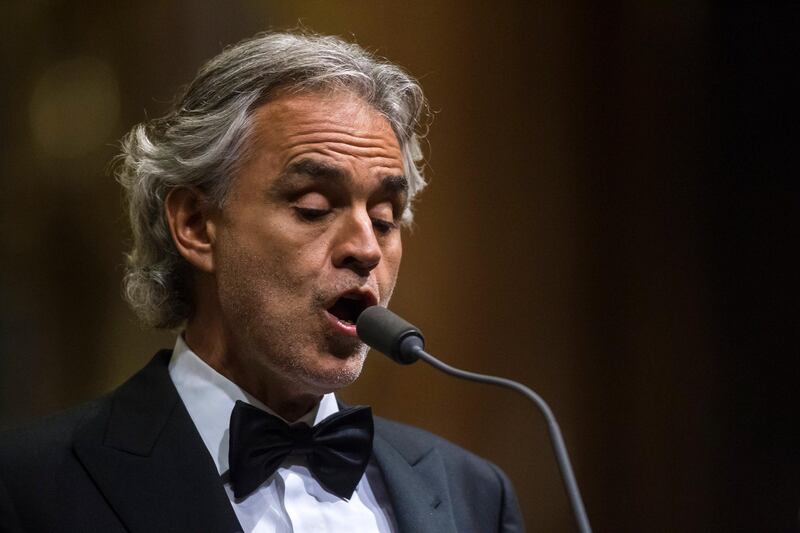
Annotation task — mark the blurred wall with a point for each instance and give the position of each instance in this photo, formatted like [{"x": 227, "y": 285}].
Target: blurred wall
[{"x": 608, "y": 221}]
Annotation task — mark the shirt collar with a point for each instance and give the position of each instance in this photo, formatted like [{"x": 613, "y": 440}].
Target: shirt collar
[{"x": 209, "y": 398}]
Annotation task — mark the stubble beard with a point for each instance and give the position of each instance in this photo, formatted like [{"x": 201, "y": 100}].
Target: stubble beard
[{"x": 276, "y": 336}]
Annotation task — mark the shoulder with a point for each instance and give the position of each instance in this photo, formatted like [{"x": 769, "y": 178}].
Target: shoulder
[
  {"x": 34, "y": 457},
  {"x": 39, "y": 470},
  {"x": 480, "y": 495},
  {"x": 54, "y": 434},
  {"x": 43, "y": 475},
  {"x": 46, "y": 437}
]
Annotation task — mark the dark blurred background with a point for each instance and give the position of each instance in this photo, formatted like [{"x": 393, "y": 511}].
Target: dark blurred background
[{"x": 611, "y": 219}]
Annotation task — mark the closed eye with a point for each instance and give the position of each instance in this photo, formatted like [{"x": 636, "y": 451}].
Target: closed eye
[
  {"x": 383, "y": 226},
  {"x": 382, "y": 215},
  {"x": 310, "y": 214}
]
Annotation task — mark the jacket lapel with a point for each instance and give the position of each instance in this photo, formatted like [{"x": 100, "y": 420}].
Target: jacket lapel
[
  {"x": 146, "y": 457},
  {"x": 417, "y": 485}
]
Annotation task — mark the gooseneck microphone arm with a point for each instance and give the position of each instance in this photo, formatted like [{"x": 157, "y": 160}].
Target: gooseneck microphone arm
[
  {"x": 401, "y": 341},
  {"x": 556, "y": 439}
]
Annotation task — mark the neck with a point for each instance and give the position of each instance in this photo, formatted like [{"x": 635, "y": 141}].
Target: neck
[{"x": 278, "y": 394}]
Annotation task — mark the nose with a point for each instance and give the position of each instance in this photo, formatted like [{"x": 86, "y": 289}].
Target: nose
[{"x": 357, "y": 246}]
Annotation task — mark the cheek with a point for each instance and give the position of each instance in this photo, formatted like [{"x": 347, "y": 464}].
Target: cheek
[
  {"x": 388, "y": 270},
  {"x": 394, "y": 253},
  {"x": 290, "y": 255},
  {"x": 307, "y": 260}
]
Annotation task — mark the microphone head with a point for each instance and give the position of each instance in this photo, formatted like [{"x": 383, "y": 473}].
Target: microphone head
[{"x": 386, "y": 332}]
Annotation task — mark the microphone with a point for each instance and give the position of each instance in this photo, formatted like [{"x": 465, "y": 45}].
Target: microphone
[{"x": 386, "y": 332}]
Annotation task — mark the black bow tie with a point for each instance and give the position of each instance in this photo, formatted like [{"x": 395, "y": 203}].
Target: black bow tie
[{"x": 337, "y": 449}]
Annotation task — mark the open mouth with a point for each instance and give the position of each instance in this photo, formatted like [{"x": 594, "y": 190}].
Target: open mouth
[{"x": 349, "y": 306}]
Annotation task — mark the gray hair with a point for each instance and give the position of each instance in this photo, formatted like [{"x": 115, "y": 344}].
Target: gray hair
[{"x": 203, "y": 139}]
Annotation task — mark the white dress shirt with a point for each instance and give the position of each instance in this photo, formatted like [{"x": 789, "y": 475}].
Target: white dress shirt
[{"x": 291, "y": 500}]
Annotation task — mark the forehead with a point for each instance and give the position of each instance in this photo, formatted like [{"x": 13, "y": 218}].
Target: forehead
[{"x": 337, "y": 125}]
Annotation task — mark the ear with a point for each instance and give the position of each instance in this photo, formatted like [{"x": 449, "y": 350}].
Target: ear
[{"x": 189, "y": 220}]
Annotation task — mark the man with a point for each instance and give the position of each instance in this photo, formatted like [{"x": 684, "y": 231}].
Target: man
[{"x": 266, "y": 213}]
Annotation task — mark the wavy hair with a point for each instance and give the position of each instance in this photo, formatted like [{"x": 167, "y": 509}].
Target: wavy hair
[{"x": 200, "y": 142}]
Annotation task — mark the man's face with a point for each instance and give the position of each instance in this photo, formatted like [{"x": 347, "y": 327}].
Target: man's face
[{"x": 309, "y": 236}]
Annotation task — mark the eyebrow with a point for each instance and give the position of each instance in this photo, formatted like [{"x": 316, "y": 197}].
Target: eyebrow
[
  {"x": 395, "y": 184},
  {"x": 316, "y": 170},
  {"x": 319, "y": 171}
]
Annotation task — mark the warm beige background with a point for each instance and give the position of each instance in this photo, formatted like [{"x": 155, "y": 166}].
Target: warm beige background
[{"x": 569, "y": 237}]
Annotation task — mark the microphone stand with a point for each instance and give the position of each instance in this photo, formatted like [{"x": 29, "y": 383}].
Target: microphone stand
[{"x": 555, "y": 432}]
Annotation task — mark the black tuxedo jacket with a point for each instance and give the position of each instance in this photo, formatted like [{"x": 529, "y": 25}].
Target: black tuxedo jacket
[{"x": 133, "y": 461}]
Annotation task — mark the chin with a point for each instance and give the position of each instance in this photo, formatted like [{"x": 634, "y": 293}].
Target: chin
[{"x": 335, "y": 370}]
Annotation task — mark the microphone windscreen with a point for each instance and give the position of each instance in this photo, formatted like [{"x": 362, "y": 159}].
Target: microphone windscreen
[{"x": 386, "y": 332}]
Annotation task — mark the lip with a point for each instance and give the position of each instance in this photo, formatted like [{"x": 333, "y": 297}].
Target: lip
[{"x": 345, "y": 328}]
